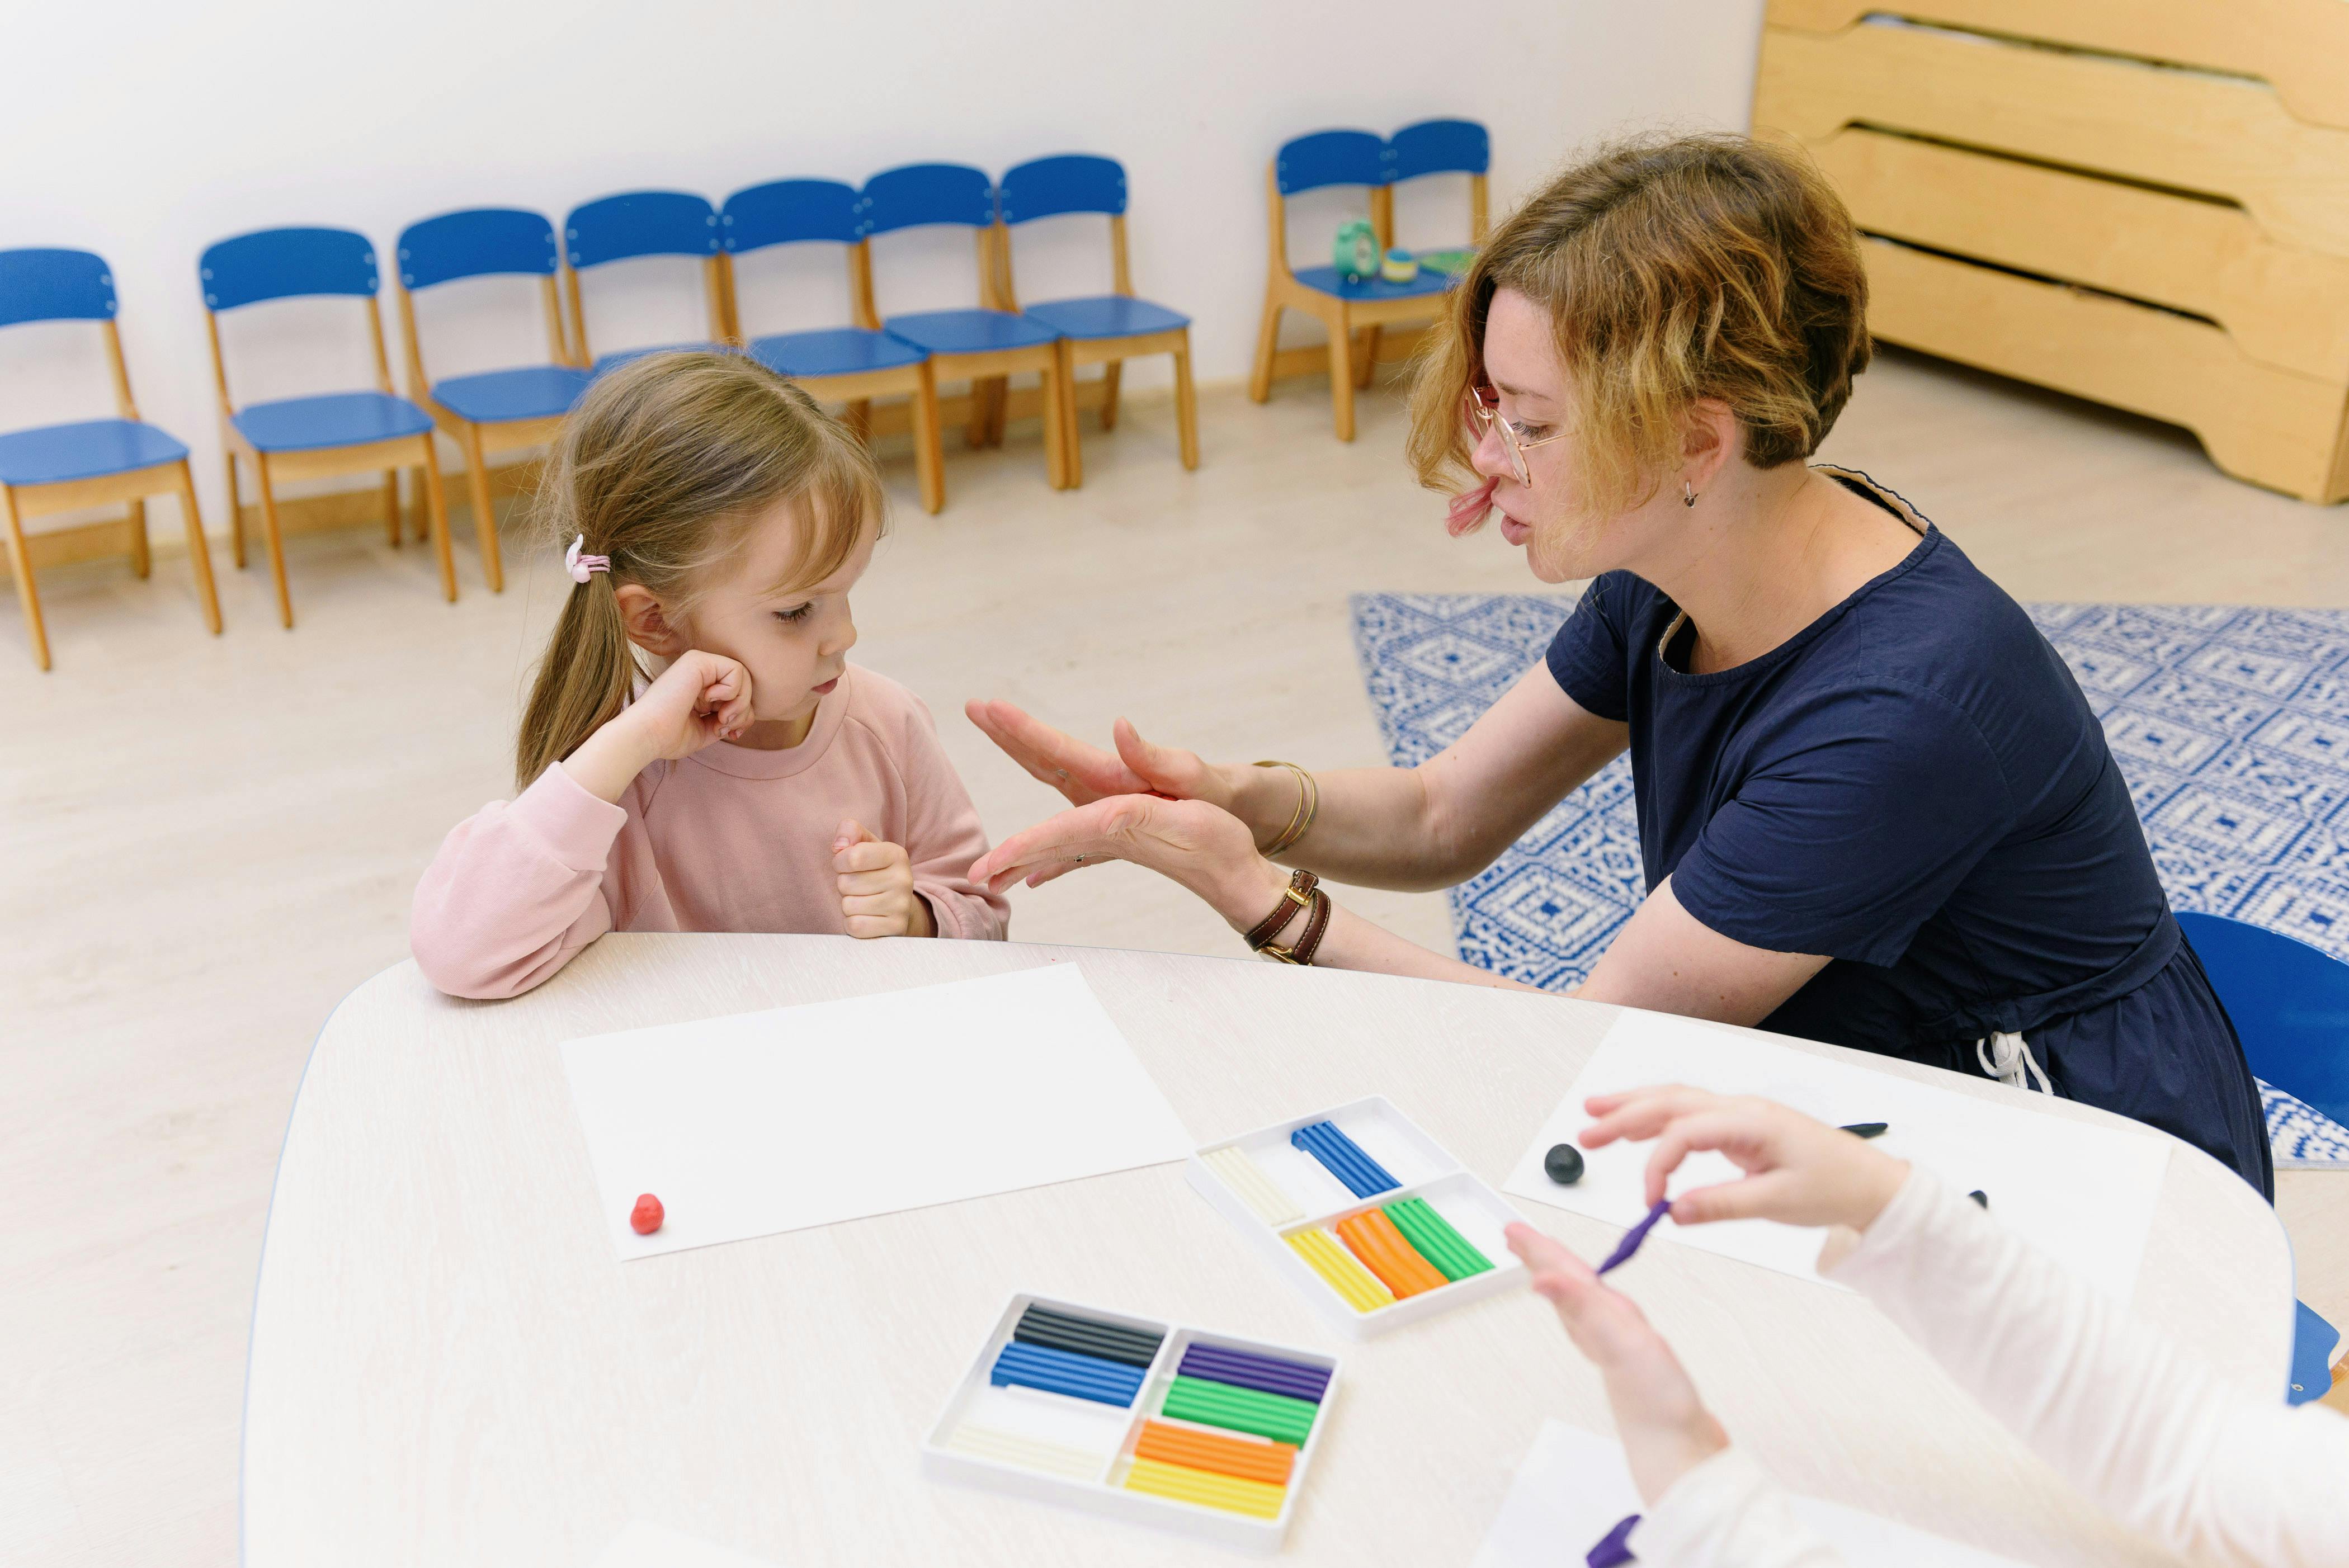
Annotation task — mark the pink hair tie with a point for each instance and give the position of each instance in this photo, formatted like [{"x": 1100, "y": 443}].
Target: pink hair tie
[{"x": 582, "y": 567}]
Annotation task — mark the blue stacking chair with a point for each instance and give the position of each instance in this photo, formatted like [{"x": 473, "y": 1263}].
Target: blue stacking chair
[
  {"x": 642, "y": 223},
  {"x": 91, "y": 463},
  {"x": 497, "y": 411},
  {"x": 1104, "y": 330},
  {"x": 2290, "y": 1003},
  {"x": 849, "y": 365},
  {"x": 326, "y": 433},
  {"x": 988, "y": 343},
  {"x": 1415, "y": 152},
  {"x": 1330, "y": 158}
]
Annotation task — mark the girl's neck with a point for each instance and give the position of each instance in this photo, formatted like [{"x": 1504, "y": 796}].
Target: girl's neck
[
  {"x": 1780, "y": 548},
  {"x": 776, "y": 734}
]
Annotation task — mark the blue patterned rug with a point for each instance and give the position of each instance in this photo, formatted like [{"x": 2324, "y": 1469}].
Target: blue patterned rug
[{"x": 2231, "y": 726}]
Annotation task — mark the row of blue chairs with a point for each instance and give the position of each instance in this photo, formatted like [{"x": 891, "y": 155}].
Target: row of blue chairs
[{"x": 497, "y": 413}]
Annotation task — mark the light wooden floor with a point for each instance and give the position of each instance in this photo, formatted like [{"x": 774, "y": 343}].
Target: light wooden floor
[{"x": 207, "y": 842}]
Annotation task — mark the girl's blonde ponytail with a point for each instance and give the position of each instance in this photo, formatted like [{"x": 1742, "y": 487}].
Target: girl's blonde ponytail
[{"x": 663, "y": 467}]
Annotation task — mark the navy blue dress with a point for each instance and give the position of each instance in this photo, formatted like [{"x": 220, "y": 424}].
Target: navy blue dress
[{"x": 1914, "y": 786}]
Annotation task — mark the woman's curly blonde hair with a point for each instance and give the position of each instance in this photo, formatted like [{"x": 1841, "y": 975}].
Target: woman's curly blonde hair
[{"x": 1673, "y": 270}]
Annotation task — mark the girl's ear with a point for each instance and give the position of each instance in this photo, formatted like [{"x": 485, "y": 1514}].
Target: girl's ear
[{"x": 647, "y": 627}]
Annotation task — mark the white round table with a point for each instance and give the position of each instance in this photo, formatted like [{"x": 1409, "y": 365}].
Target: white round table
[{"x": 449, "y": 1365}]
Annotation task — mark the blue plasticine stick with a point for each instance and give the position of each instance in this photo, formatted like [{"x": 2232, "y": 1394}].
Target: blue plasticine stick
[
  {"x": 1064, "y": 1372},
  {"x": 1345, "y": 1159}
]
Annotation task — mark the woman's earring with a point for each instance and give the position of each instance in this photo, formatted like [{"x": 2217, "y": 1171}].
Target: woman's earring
[{"x": 1688, "y": 493}]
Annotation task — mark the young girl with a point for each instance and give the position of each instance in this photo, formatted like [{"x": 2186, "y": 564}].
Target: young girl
[
  {"x": 750, "y": 779},
  {"x": 2209, "y": 1471}
]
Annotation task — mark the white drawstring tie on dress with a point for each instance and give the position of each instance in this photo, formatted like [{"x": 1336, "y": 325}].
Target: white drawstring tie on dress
[{"x": 2008, "y": 1058}]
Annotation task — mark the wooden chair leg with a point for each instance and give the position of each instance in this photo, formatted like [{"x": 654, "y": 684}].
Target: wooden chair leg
[
  {"x": 141, "y": 562},
  {"x": 860, "y": 419},
  {"x": 1369, "y": 365},
  {"x": 1063, "y": 408},
  {"x": 416, "y": 523},
  {"x": 1056, "y": 448},
  {"x": 973, "y": 433},
  {"x": 200, "y": 554},
  {"x": 391, "y": 506},
  {"x": 1341, "y": 378},
  {"x": 485, "y": 517},
  {"x": 999, "y": 408},
  {"x": 235, "y": 514},
  {"x": 1268, "y": 339},
  {"x": 928, "y": 454},
  {"x": 276, "y": 540},
  {"x": 1109, "y": 394},
  {"x": 20, "y": 567},
  {"x": 436, "y": 507},
  {"x": 1186, "y": 405}
]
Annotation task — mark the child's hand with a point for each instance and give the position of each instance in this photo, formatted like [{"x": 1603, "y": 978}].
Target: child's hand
[
  {"x": 700, "y": 698},
  {"x": 1665, "y": 1428},
  {"x": 876, "y": 886},
  {"x": 1797, "y": 1171}
]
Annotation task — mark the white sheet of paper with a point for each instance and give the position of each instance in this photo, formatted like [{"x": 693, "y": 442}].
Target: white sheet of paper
[
  {"x": 2084, "y": 1195},
  {"x": 644, "y": 1544},
  {"x": 1575, "y": 1487},
  {"x": 760, "y": 1122}
]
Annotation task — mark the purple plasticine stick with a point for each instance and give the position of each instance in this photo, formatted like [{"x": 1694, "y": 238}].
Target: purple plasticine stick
[
  {"x": 1634, "y": 1236},
  {"x": 1613, "y": 1547}
]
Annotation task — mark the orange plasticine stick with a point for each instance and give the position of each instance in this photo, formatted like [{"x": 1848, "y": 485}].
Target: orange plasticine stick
[
  {"x": 1267, "y": 1462},
  {"x": 1372, "y": 1237}
]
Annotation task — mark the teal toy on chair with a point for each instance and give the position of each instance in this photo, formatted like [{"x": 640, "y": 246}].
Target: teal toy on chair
[{"x": 1356, "y": 253}]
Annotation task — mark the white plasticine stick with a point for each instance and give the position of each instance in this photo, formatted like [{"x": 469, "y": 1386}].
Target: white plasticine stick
[
  {"x": 1028, "y": 1454},
  {"x": 1254, "y": 1188}
]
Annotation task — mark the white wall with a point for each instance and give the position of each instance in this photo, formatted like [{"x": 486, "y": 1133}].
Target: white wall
[{"x": 144, "y": 131}]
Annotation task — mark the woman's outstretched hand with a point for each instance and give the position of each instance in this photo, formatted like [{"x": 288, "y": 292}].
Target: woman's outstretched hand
[
  {"x": 1799, "y": 1172},
  {"x": 1203, "y": 847},
  {"x": 1665, "y": 1428},
  {"x": 1086, "y": 773}
]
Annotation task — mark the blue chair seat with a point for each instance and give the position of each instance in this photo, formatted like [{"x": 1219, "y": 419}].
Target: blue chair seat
[
  {"x": 501, "y": 397},
  {"x": 969, "y": 331},
  {"x": 1108, "y": 315},
  {"x": 330, "y": 419},
  {"x": 1326, "y": 280},
  {"x": 54, "y": 453},
  {"x": 607, "y": 364},
  {"x": 834, "y": 351}
]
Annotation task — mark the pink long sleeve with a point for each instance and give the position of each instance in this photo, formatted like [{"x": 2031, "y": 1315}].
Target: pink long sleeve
[{"x": 728, "y": 839}]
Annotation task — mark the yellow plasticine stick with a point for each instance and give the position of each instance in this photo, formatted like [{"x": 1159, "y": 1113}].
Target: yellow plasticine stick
[
  {"x": 1356, "y": 1285},
  {"x": 1028, "y": 1454},
  {"x": 1254, "y": 1188},
  {"x": 1260, "y": 1499}
]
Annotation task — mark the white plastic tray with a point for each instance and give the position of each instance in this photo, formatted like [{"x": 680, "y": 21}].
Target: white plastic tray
[
  {"x": 1423, "y": 1166},
  {"x": 1107, "y": 1433}
]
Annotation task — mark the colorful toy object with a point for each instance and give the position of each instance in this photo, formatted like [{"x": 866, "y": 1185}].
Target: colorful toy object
[
  {"x": 1356, "y": 253},
  {"x": 1400, "y": 266}
]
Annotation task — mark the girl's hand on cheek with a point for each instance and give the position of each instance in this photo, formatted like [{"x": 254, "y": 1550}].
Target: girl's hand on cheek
[
  {"x": 701, "y": 698},
  {"x": 876, "y": 886}
]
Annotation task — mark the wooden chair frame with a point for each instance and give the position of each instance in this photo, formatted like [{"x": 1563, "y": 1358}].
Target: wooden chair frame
[
  {"x": 388, "y": 457},
  {"x": 482, "y": 442},
  {"x": 989, "y": 373},
  {"x": 23, "y": 503},
  {"x": 1109, "y": 351},
  {"x": 1351, "y": 366},
  {"x": 714, "y": 287},
  {"x": 917, "y": 382}
]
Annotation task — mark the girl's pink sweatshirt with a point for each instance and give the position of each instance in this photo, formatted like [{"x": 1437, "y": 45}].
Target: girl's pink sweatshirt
[{"x": 728, "y": 839}]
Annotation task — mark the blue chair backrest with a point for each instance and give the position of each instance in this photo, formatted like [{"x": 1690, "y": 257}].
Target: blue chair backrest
[
  {"x": 55, "y": 285},
  {"x": 2290, "y": 1003},
  {"x": 284, "y": 263},
  {"x": 482, "y": 241},
  {"x": 1440, "y": 147},
  {"x": 1331, "y": 157},
  {"x": 788, "y": 211},
  {"x": 1073, "y": 183},
  {"x": 922, "y": 194},
  {"x": 640, "y": 224}
]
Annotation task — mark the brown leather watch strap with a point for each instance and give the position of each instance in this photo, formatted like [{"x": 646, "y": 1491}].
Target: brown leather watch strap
[
  {"x": 1310, "y": 943},
  {"x": 1297, "y": 895}
]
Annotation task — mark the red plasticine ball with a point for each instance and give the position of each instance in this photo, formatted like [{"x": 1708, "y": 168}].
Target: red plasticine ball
[{"x": 646, "y": 1217}]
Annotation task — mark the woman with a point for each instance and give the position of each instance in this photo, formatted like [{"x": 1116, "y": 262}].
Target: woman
[{"x": 1874, "y": 806}]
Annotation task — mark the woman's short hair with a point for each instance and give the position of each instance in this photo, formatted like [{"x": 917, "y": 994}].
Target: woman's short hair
[{"x": 1673, "y": 270}]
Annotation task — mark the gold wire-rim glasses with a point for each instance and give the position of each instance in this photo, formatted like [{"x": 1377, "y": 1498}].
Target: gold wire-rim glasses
[{"x": 1477, "y": 410}]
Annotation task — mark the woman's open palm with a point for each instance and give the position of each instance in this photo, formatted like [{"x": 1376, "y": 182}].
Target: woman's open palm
[{"x": 1085, "y": 774}]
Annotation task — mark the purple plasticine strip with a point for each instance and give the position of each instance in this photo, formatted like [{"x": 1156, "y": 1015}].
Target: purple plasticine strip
[
  {"x": 1259, "y": 1372},
  {"x": 1631, "y": 1240},
  {"x": 1613, "y": 1548}
]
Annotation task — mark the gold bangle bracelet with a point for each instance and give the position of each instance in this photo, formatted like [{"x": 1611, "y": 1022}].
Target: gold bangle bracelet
[{"x": 1308, "y": 806}]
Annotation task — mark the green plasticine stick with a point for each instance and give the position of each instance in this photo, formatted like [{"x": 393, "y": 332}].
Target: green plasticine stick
[
  {"x": 1274, "y": 1416},
  {"x": 1435, "y": 1238}
]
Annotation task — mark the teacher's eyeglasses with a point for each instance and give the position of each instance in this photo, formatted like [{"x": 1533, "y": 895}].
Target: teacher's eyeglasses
[{"x": 1483, "y": 409}]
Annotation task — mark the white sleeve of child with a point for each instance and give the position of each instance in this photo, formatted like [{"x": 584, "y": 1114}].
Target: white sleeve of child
[
  {"x": 1725, "y": 1514},
  {"x": 516, "y": 890},
  {"x": 2210, "y": 1471}
]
